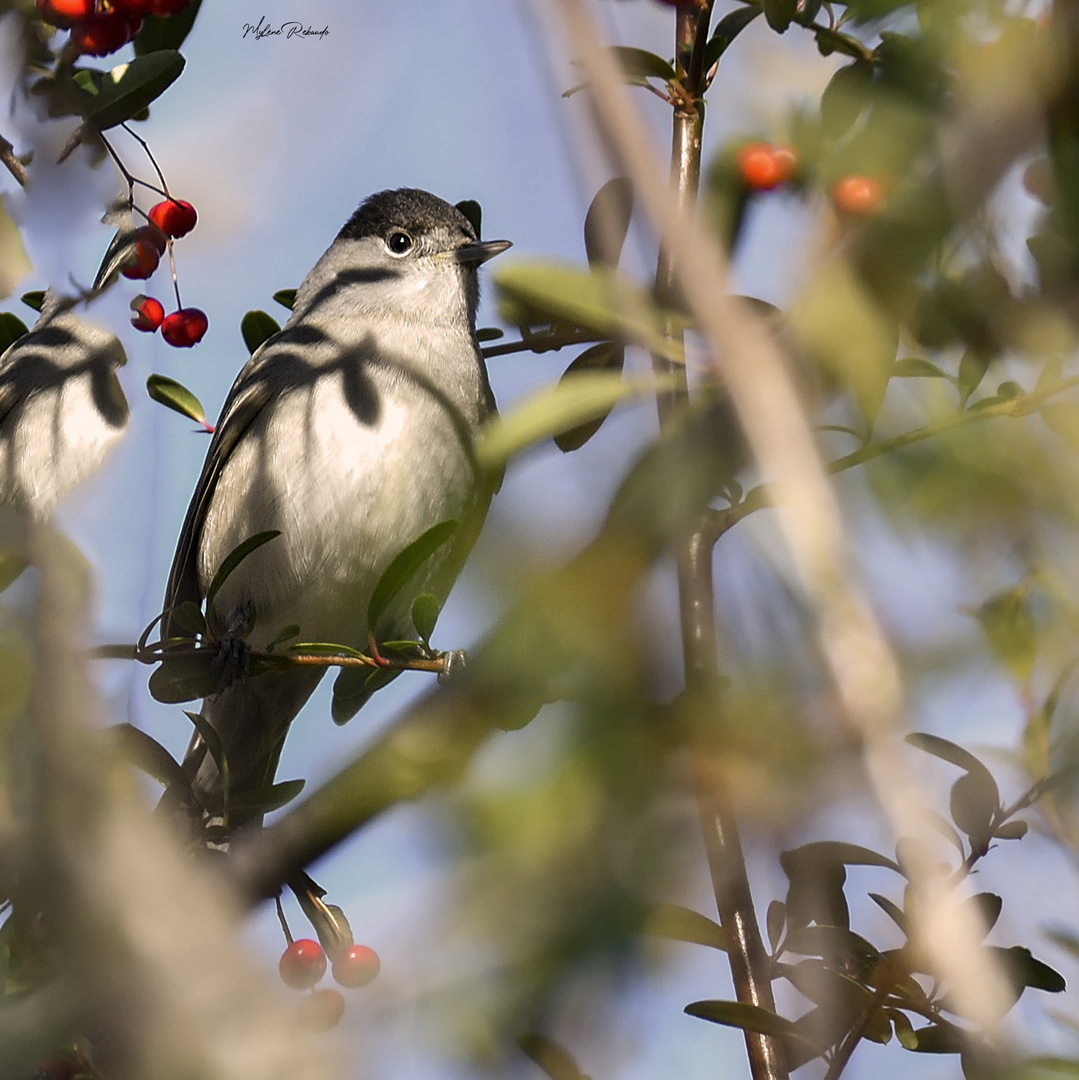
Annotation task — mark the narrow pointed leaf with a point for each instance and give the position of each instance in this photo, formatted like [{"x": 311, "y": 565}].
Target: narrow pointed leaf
[
  {"x": 606, "y": 356},
  {"x": 398, "y": 574},
  {"x": 214, "y": 748},
  {"x": 425, "y": 609},
  {"x": 285, "y": 297},
  {"x": 552, "y": 1057},
  {"x": 727, "y": 29},
  {"x": 684, "y": 924},
  {"x": 149, "y": 755},
  {"x": 175, "y": 396},
  {"x": 607, "y": 222},
  {"x": 748, "y": 1018},
  {"x": 234, "y": 558},
  {"x": 11, "y": 329}
]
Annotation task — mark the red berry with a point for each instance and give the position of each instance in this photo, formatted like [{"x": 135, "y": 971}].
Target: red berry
[
  {"x": 64, "y": 12},
  {"x": 356, "y": 966},
  {"x": 174, "y": 217},
  {"x": 764, "y": 167},
  {"x": 99, "y": 35},
  {"x": 182, "y": 329},
  {"x": 303, "y": 963},
  {"x": 149, "y": 314},
  {"x": 857, "y": 195},
  {"x": 144, "y": 261},
  {"x": 168, "y": 7},
  {"x": 321, "y": 1009}
]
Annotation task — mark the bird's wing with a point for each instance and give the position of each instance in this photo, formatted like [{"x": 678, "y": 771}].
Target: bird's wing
[{"x": 247, "y": 398}]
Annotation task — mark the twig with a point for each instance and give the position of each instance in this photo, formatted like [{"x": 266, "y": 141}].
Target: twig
[{"x": 11, "y": 162}]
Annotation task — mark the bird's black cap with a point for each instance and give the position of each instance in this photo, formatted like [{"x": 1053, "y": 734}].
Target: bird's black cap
[{"x": 406, "y": 208}]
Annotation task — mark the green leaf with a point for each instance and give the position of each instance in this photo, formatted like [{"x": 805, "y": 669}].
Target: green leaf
[
  {"x": 216, "y": 751},
  {"x": 234, "y": 558},
  {"x": 34, "y": 299},
  {"x": 1011, "y": 830},
  {"x": 917, "y": 367},
  {"x": 1026, "y": 970},
  {"x": 684, "y": 924},
  {"x": 256, "y": 326},
  {"x": 1008, "y": 624},
  {"x": 148, "y": 755},
  {"x": 974, "y": 801},
  {"x": 552, "y": 1057},
  {"x": 727, "y": 29},
  {"x": 129, "y": 88},
  {"x": 285, "y": 297},
  {"x": 323, "y": 648},
  {"x": 12, "y": 564},
  {"x": 606, "y": 356},
  {"x": 834, "y": 943},
  {"x": 641, "y": 64},
  {"x": 748, "y": 1018},
  {"x": 166, "y": 32},
  {"x": 892, "y": 910},
  {"x": 904, "y": 1030},
  {"x": 185, "y": 678},
  {"x": 489, "y": 333},
  {"x": 779, "y": 13},
  {"x": 775, "y": 921},
  {"x": 398, "y": 574},
  {"x": 11, "y": 329},
  {"x": 835, "y": 851},
  {"x": 474, "y": 212},
  {"x": 986, "y": 908},
  {"x": 601, "y": 301},
  {"x": 972, "y": 368},
  {"x": 947, "y": 751},
  {"x": 265, "y": 800},
  {"x": 175, "y": 396},
  {"x": 188, "y": 616},
  {"x": 556, "y": 410},
  {"x": 941, "y": 1038},
  {"x": 425, "y": 609},
  {"x": 831, "y": 41},
  {"x": 607, "y": 222},
  {"x": 283, "y": 635},
  {"x": 845, "y": 98}
]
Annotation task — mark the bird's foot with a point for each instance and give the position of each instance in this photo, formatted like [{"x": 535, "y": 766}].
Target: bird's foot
[{"x": 233, "y": 659}]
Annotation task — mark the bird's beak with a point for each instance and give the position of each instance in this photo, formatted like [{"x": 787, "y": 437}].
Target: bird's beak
[{"x": 479, "y": 252}]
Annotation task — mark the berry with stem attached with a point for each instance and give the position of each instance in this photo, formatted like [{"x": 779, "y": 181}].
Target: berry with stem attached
[
  {"x": 174, "y": 217},
  {"x": 303, "y": 963},
  {"x": 182, "y": 329}
]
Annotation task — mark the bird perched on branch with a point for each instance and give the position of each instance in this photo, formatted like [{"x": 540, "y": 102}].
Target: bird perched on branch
[{"x": 350, "y": 431}]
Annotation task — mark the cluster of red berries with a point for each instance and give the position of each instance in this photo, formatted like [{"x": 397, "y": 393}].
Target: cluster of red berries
[
  {"x": 303, "y": 964},
  {"x": 168, "y": 220},
  {"x": 100, "y": 27},
  {"x": 764, "y": 167}
]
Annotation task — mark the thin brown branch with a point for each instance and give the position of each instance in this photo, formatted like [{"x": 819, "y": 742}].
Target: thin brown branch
[{"x": 11, "y": 162}]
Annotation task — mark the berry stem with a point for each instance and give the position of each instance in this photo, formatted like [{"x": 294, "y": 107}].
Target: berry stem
[
  {"x": 164, "y": 190},
  {"x": 283, "y": 920}
]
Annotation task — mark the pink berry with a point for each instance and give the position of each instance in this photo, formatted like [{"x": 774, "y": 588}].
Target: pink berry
[
  {"x": 321, "y": 1010},
  {"x": 356, "y": 966},
  {"x": 174, "y": 217},
  {"x": 303, "y": 963}
]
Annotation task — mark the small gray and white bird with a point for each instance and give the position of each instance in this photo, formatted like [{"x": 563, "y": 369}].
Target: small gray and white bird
[
  {"x": 351, "y": 431},
  {"x": 61, "y": 407}
]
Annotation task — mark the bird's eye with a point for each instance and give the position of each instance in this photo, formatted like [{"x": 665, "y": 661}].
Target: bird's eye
[{"x": 399, "y": 243}]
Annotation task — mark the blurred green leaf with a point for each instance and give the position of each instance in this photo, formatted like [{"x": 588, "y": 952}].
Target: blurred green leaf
[
  {"x": 552, "y": 1057},
  {"x": 556, "y": 410},
  {"x": 974, "y": 802},
  {"x": 185, "y": 678},
  {"x": 208, "y": 734},
  {"x": 1008, "y": 624},
  {"x": 775, "y": 920},
  {"x": 683, "y": 924},
  {"x": 892, "y": 910},
  {"x": 149, "y": 755},
  {"x": 603, "y": 302},
  {"x": 747, "y": 1018},
  {"x": 779, "y": 13},
  {"x": 425, "y": 610},
  {"x": 641, "y": 63},
  {"x": 904, "y": 1030},
  {"x": 265, "y": 800}
]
